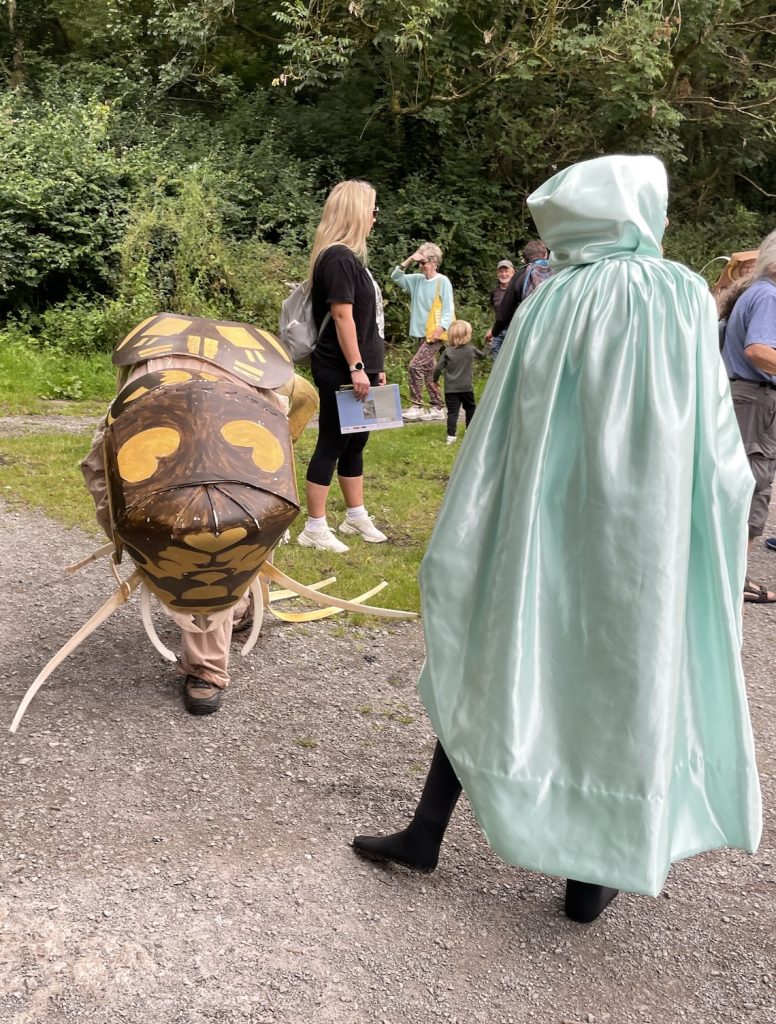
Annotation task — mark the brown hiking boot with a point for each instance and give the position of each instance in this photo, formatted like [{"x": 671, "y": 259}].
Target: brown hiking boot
[{"x": 200, "y": 697}]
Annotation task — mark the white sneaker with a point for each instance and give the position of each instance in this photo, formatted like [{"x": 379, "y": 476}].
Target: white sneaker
[
  {"x": 322, "y": 539},
  {"x": 451, "y": 439},
  {"x": 434, "y": 413},
  {"x": 415, "y": 412},
  {"x": 364, "y": 527}
]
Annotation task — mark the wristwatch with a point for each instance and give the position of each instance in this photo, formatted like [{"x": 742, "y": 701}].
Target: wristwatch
[{"x": 356, "y": 366}]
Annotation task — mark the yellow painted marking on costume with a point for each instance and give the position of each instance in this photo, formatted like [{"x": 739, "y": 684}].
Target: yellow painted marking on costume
[
  {"x": 164, "y": 595},
  {"x": 266, "y": 450},
  {"x": 273, "y": 341},
  {"x": 212, "y": 542},
  {"x": 209, "y": 376},
  {"x": 138, "y": 458},
  {"x": 248, "y": 370},
  {"x": 251, "y": 357},
  {"x": 155, "y": 350},
  {"x": 134, "y": 333},
  {"x": 210, "y": 577},
  {"x": 174, "y": 376},
  {"x": 245, "y": 558},
  {"x": 135, "y": 394},
  {"x": 170, "y": 325},
  {"x": 210, "y": 349},
  {"x": 238, "y": 336},
  {"x": 175, "y": 562},
  {"x": 193, "y": 341},
  {"x": 204, "y": 593}
]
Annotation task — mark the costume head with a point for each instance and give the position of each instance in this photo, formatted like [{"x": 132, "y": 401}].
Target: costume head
[{"x": 200, "y": 468}]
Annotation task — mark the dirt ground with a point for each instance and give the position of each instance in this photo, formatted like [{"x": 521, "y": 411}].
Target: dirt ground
[{"x": 161, "y": 869}]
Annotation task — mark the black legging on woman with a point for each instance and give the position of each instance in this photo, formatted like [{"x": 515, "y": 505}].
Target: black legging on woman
[{"x": 335, "y": 450}]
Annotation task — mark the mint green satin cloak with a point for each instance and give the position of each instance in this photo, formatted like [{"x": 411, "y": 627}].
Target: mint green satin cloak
[{"x": 582, "y": 590}]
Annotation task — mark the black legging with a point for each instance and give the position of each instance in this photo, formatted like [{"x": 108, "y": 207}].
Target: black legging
[{"x": 334, "y": 450}]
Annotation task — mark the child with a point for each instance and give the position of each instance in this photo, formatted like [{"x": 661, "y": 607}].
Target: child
[{"x": 455, "y": 363}]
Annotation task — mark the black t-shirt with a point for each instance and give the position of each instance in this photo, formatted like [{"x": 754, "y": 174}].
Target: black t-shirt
[
  {"x": 510, "y": 300},
  {"x": 340, "y": 277}
]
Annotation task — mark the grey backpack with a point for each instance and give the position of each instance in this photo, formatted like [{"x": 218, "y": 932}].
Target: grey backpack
[{"x": 297, "y": 326}]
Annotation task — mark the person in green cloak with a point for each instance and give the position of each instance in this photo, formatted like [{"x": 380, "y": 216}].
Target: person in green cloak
[{"x": 581, "y": 592}]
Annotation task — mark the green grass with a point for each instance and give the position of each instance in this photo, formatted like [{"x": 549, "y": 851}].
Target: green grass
[
  {"x": 406, "y": 472},
  {"x": 41, "y": 471},
  {"x": 405, "y": 476},
  {"x": 39, "y": 381}
]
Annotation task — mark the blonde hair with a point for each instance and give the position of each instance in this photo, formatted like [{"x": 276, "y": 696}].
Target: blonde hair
[
  {"x": 459, "y": 333},
  {"x": 431, "y": 252},
  {"x": 346, "y": 220}
]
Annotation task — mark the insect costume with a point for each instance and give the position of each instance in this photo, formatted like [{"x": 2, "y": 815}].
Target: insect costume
[{"x": 193, "y": 478}]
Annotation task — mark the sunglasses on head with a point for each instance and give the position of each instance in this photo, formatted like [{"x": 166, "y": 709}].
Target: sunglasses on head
[{"x": 375, "y": 212}]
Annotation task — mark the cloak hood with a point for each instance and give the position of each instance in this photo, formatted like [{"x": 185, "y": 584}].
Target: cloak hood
[{"x": 611, "y": 206}]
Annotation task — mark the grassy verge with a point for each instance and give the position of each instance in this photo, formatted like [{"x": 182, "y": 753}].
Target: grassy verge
[
  {"x": 406, "y": 475},
  {"x": 34, "y": 381},
  {"x": 41, "y": 471}
]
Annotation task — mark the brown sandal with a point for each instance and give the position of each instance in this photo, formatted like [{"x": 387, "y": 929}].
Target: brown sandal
[{"x": 754, "y": 593}]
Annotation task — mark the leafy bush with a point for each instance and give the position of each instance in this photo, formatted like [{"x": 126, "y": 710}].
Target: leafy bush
[
  {"x": 724, "y": 231},
  {"x": 63, "y": 193}
]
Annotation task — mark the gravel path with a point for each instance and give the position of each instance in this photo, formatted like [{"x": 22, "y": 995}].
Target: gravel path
[
  {"x": 160, "y": 869},
  {"x": 15, "y": 425}
]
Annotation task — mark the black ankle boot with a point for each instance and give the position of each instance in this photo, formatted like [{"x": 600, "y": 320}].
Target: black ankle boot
[
  {"x": 584, "y": 902},
  {"x": 416, "y": 847}
]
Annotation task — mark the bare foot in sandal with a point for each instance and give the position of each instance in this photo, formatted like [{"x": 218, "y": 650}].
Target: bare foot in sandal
[{"x": 755, "y": 593}]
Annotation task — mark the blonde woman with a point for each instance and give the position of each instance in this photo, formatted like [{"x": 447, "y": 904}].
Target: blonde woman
[
  {"x": 349, "y": 352},
  {"x": 431, "y": 313}
]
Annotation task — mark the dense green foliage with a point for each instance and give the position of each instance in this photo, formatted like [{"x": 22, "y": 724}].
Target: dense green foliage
[{"x": 175, "y": 153}]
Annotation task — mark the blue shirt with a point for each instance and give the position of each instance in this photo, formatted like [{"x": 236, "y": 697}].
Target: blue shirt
[
  {"x": 752, "y": 322},
  {"x": 423, "y": 291}
]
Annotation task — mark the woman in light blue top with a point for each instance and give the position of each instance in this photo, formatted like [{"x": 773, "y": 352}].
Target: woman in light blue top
[
  {"x": 582, "y": 588},
  {"x": 431, "y": 313}
]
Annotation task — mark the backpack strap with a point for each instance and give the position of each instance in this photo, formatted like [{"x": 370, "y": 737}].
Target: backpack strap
[
  {"x": 526, "y": 281},
  {"x": 322, "y": 328}
]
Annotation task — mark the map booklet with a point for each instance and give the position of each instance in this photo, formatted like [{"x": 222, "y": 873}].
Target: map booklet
[{"x": 380, "y": 410}]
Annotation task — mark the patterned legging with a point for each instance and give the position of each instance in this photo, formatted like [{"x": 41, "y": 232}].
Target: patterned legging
[{"x": 421, "y": 371}]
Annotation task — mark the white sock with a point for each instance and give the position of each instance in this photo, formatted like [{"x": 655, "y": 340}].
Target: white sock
[
  {"x": 316, "y": 524},
  {"x": 357, "y": 512}
]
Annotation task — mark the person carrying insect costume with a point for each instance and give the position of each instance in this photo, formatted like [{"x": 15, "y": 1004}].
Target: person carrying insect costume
[{"x": 192, "y": 474}]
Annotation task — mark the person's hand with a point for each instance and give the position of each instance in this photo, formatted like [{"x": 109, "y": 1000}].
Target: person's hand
[
  {"x": 489, "y": 337},
  {"x": 360, "y": 383},
  {"x": 381, "y": 379},
  {"x": 416, "y": 256},
  {"x": 435, "y": 336}
]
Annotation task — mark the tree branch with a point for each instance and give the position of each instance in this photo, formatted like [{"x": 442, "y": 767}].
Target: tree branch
[{"x": 770, "y": 195}]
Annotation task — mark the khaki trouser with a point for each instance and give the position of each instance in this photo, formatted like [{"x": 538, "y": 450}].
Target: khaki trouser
[
  {"x": 755, "y": 408},
  {"x": 205, "y": 655}
]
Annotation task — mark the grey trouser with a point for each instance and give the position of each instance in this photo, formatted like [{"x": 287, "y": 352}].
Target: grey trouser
[{"x": 756, "y": 413}]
